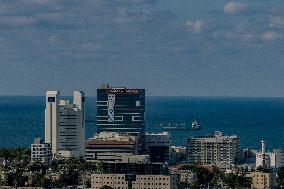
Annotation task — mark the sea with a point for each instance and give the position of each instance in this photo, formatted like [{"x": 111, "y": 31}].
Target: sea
[{"x": 253, "y": 119}]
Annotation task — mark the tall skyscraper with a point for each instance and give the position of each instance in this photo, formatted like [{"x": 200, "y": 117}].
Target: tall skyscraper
[
  {"x": 121, "y": 110},
  {"x": 65, "y": 124}
]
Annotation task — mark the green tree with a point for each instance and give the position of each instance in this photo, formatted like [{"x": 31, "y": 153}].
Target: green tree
[
  {"x": 231, "y": 180},
  {"x": 100, "y": 167},
  {"x": 36, "y": 167},
  {"x": 264, "y": 169},
  {"x": 280, "y": 176}
]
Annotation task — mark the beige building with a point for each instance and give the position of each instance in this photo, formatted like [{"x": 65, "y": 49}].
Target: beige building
[
  {"x": 116, "y": 181},
  {"x": 155, "y": 182},
  {"x": 123, "y": 181},
  {"x": 111, "y": 147},
  {"x": 262, "y": 180}
]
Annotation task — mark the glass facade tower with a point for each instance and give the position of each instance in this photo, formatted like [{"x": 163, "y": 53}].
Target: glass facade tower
[{"x": 121, "y": 110}]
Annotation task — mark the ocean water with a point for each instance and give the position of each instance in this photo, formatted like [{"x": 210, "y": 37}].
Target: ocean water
[{"x": 253, "y": 119}]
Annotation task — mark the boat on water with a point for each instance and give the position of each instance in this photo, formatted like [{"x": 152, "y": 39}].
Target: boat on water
[
  {"x": 173, "y": 126},
  {"x": 195, "y": 124}
]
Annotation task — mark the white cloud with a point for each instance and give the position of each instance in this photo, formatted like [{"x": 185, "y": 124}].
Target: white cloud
[
  {"x": 196, "y": 26},
  {"x": 234, "y": 7},
  {"x": 270, "y": 36}
]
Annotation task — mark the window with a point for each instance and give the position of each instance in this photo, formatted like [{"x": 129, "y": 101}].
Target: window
[
  {"x": 138, "y": 103},
  {"x": 51, "y": 99}
]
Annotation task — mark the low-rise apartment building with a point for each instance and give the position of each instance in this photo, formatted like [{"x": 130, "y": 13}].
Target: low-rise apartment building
[
  {"x": 41, "y": 152},
  {"x": 132, "y": 181},
  {"x": 262, "y": 180}
]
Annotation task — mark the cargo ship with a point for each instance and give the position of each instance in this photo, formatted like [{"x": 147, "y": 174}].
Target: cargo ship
[{"x": 173, "y": 126}]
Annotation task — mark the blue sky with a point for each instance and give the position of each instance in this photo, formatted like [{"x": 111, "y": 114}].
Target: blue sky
[{"x": 172, "y": 48}]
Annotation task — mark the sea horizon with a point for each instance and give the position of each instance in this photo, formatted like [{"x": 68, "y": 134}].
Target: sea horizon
[{"x": 252, "y": 118}]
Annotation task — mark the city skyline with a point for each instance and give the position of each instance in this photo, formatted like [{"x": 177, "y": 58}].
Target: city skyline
[
  {"x": 166, "y": 94},
  {"x": 185, "y": 48}
]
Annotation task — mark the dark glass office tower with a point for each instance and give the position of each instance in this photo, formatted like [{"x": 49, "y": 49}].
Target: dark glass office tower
[{"x": 121, "y": 110}]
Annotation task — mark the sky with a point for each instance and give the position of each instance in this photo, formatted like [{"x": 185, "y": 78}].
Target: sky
[{"x": 170, "y": 48}]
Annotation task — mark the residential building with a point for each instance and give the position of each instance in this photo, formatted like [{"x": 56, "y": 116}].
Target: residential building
[
  {"x": 218, "y": 149},
  {"x": 113, "y": 180},
  {"x": 133, "y": 181},
  {"x": 111, "y": 146},
  {"x": 274, "y": 159},
  {"x": 65, "y": 124},
  {"x": 262, "y": 180},
  {"x": 41, "y": 152},
  {"x": 157, "y": 145},
  {"x": 121, "y": 110},
  {"x": 279, "y": 158}
]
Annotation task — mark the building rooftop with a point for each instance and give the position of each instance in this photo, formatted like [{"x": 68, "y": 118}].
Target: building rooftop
[
  {"x": 52, "y": 92},
  {"x": 93, "y": 142},
  {"x": 38, "y": 141},
  {"x": 216, "y": 135}
]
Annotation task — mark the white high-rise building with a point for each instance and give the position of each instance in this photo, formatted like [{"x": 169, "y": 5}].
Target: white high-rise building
[
  {"x": 218, "y": 149},
  {"x": 273, "y": 159},
  {"x": 65, "y": 124}
]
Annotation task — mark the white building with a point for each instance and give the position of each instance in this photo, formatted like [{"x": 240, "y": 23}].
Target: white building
[
  {"x": 65, "y": 124},
  {"x": 41, "y": 152},
  {"x": 124, "y": 181},
  {"x": 218, "y": 149},
  {"x": 157, "y": 145},
  {"x": 111, "y": 147},
  {"x": 273, "y": 159}
]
